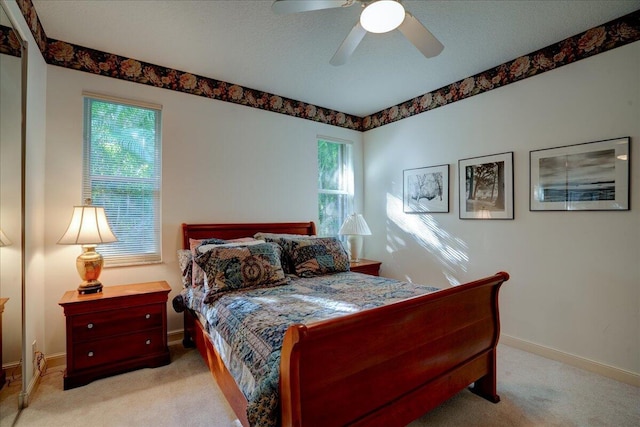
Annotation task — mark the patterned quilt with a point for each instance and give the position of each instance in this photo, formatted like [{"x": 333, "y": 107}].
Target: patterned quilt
[{"x": 250, "y": 325}]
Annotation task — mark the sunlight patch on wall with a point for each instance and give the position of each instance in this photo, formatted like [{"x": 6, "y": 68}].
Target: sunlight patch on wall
[{"x": 451, "y": 252}]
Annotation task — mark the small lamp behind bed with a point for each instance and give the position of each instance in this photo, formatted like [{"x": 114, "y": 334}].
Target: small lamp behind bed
[{"x": 354, "y": 228}]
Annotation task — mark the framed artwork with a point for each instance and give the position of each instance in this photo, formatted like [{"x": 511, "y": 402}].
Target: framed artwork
[
  {"x": 486, "y": 187},
  {"x": 426, "y": 190},
  {"x": 593, "y": 176}
]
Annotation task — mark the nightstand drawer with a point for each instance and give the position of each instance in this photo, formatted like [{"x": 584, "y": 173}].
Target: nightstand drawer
[
  {"x": 115, "y": 349},
  {"x": 108, "y": 323}
]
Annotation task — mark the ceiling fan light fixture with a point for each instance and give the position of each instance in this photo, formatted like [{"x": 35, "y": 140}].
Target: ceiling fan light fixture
[{"x": 382, "y": 16}]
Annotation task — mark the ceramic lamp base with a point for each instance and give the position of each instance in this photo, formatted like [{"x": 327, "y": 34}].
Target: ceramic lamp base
[
  {"x": 354, "y": 244},
  {"x": 89, "y": 265}
]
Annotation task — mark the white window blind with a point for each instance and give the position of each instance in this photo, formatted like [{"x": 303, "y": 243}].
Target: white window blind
[
  {"x": 335, "y": 185},
  {"x": 122, "y": 172}
]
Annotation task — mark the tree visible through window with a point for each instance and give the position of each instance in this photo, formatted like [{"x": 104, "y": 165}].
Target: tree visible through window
[
  {"x": 335, "y": 184},
  {"x": 122, "y": 174}
]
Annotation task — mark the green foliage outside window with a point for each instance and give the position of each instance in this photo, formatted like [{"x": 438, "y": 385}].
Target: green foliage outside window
[
  {"x": 122, "y": 173},
  {"x": 333, "y": 186}
]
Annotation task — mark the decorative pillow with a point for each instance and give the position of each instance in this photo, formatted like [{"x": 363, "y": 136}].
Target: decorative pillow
[
  {"x": 229, "y": 268},
  {"x": 275, "y": 236},
  {"x": 282, "y": 239},
  {"x": 314, "y": 257},
  {"x": 210, "y": 241},
  {"x": 197, "y": 275},
  {"x": 248, "y": 241},
  {"x": 185, "y": 262}
]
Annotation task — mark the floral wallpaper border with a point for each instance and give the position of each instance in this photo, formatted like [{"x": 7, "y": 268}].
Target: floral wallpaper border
[
  {"x": 611, "y": 35},
  {"x": 9, "y": 43},
  {"x": 93, "y": 61}
]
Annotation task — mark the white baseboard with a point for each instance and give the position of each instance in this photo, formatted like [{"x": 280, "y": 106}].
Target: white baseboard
[
  {"x": 617, "y": 374},
  {"x": 56, "y": 360},
  {"x": 24, "y": 398},
  {"x": 11, "y": 365},
  {"x": 173, "y": 337}
]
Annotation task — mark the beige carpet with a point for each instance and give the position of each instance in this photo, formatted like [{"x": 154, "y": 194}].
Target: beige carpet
[
  {"x": 9, "y": 396},
  {"x": 534, "y": 391}
]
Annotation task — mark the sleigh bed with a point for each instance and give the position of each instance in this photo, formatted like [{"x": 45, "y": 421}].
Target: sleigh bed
[{"x": 380, "y": 366}]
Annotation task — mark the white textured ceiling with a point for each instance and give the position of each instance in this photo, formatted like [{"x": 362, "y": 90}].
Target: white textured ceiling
[{"x": 244, "y": 42}]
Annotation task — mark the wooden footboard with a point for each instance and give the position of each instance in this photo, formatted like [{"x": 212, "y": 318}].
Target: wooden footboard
[{"x": 389, "y": 365}]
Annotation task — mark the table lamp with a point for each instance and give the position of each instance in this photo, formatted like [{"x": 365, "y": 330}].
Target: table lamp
[
  {"x": 354, "y": 228},
  {"x": 88, "y": 227}
]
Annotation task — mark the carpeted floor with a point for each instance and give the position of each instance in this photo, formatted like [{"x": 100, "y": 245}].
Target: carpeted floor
[
  {"x": 9, "y": 395},
  {"x": 535, "y": 392}
]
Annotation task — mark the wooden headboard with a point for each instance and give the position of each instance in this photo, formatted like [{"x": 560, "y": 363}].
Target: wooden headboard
[{"x": 234, "y": 231}]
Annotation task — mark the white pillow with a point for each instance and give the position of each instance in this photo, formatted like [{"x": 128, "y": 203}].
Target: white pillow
[{"x": 206, "y": 248}]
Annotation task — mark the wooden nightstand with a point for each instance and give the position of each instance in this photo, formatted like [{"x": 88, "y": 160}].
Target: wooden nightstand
[
  {"x": 366, "y": 266},
  {"x": 119, "y": 329}
]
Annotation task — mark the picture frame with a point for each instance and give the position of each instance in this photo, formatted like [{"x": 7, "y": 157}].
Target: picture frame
[
  {"x": 426, "y": 189},
  {"x": 486, "y": 187},
  {"x": 592, "y": 176}
]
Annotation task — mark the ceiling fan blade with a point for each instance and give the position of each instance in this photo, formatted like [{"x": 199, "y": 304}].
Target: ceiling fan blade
[
  {"x": 349, "y": 45},
  {"x": 284, "y": 7},
  {"x": 421, "y": 38}
]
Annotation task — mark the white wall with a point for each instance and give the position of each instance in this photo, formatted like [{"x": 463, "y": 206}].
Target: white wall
[
  {"x": 221, "y": 163},
  {"x": 575, "y": 276}
]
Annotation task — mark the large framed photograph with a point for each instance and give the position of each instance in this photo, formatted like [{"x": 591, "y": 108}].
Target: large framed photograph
[
  {"x": 589, "y": 176},
  {"x": 486, "y": 187},
  {"x": 426, "y": 190}
]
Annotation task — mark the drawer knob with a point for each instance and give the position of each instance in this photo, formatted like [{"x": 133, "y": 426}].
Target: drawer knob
[
  {"x": 148, "y": 316},
  {"x": 90, "y": 354},
  {"x": 90, "y": 326},
  {"x": 148, "y": 342}
]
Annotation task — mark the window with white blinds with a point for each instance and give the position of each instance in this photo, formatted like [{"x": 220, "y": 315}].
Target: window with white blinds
[
  {"x": 121, "y": 172},
  {"x": 335, "y": 185}
]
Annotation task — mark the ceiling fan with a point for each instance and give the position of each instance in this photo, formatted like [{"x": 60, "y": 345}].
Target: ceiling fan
[{"x": 377, "y": 16}]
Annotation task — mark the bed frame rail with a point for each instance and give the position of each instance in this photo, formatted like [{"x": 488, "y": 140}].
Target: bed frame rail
[{"x": 388, "y": 366}]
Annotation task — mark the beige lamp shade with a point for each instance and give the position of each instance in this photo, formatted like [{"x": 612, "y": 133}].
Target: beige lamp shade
[
  {"x": 88, "y": 227},
  {"x": 4, "y": 240},
  {"x": 354, "y": 228}
]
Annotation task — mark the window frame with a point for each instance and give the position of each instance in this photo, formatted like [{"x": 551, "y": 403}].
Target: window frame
[
  {"x": 140, "y": 252},
  {"x": 346, "y": 179}
]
